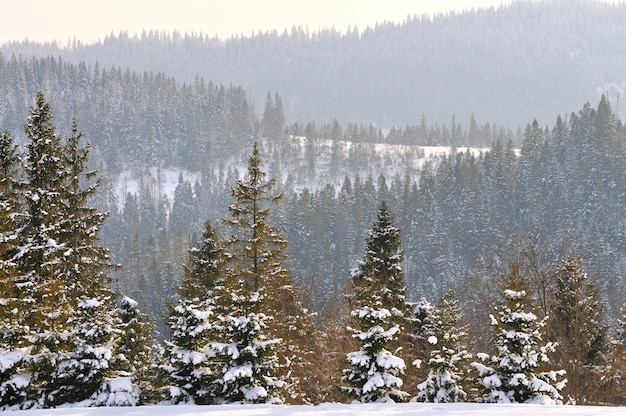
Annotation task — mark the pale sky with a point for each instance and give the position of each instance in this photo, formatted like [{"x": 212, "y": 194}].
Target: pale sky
[{"x": 89, "y": 21}]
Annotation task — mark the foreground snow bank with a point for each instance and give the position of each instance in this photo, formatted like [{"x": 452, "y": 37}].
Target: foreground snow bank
[{"x": 471, "y": 409}]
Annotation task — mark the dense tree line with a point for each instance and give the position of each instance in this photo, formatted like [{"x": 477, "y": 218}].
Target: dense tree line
[
  {"x": 510, "y": 64},
  {"x": 139, "y": 125},
  {"x": 452, "y": 211},
  {"x": 149, "y": 119},
  {"x": 561, "y": 186},
  {"x": 237, "y": 330},
  {"x": 65, "y": 335},
  {"x": 133, "y": 119}
]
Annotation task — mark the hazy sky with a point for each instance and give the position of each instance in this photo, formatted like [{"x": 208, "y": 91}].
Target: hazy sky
[{"x": 88, "y": 20}]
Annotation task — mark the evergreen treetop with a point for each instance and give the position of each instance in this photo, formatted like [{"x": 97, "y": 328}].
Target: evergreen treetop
[{"x": 379, "y": 274}]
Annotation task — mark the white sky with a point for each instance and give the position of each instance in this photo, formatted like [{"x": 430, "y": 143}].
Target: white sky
[{"x": 91, "y": 20}]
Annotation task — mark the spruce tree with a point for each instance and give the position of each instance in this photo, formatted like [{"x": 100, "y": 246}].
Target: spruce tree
[
  {"x": 265, "y": 312},
  {"x": 191, "y": 323},
  {"x": 374, "y": 373},
  {"x": 380, "y": 270},
  {"x": 379, "y": 304},
  {"x": 576, "y": 322},
  {"x": 62, "y": 282},
  {"x": 246, "y": 360},
  {"x": 14, "y": 352},
  {"x": 136, "y": 359},
  {"x": 47, "y": 305},
  {"x": 447, "y": 354},
  {"x": 514, "y": 374},
  {"x": 258, "y": 258},
  {"x": 9, "y": 165},
  {"x": 81, "y": 371}
]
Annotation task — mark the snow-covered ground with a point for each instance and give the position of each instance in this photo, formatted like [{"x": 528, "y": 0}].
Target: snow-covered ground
[
  {"x": 471, "y": 409},
  {"x": 164, "y": 181}
]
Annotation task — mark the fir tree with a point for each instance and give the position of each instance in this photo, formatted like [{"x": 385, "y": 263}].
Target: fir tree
[
  {"x": 380, "y": 271},
  {"x": 9, "y": 165},
  {"x": 84, "y": 270},
  {"x": 259, "y": 288},
  {"x": 182, "y": 218},
  {"x": 576, "y": 323},
  {"x": 447, "y": 354},
  {"x": 514, "y": 374},
  {"x": 246, "y": 361},
  {"x": 40, "y": 255},
  {"x": 136, "y": 358},
  {"x": 14, "y": 352},
  {"x": 379, "y": 303},
  {"x": 62, "y": 286},
  {"x": 380, "y": 274},
  {"x": 191, "y": 322},
  {"x": 81, "y": 371},
  {"x": 374, "y": 373}
]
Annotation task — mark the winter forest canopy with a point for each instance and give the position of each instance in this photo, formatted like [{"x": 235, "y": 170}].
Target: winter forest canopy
[{"x": 198, "y": 240}]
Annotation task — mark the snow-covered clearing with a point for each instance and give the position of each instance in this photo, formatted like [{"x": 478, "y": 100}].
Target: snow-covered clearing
[
  {"x": 471, "y": 409},
  {"x": 164, "y": 181}
]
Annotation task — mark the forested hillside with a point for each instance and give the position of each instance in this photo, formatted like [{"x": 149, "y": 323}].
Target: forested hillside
[
  {"x": 237, "y": 330},
  {"x": 510, "y": 65},
  {"x": 328, "y": 188},
  {"x": 564, "y": 186}
]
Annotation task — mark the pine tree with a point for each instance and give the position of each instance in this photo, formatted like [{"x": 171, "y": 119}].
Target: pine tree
[
  {"x": 40, "y": 255},
  {"x": 374, "y": 373},
  {"x": 514, "y": 374},
  {"x": 576, "y": 323},
  {"x": 64, "y": 299},
  {"x": 9, "y": 164},
  {"x": 135, "y": 360},
  {"x": 14, "y": 352},
  {"x": 81, "y": 371},
  {"x": 191, "y": 323},
  {"x": 265, "y": 311},
  {"x": 246, "y": 360},
  {"x": 447, "y": 354},
  {"x": 379, "y": 303},
  {"x": 184, "y": 212},
  {"x": 380, "y": 271}
]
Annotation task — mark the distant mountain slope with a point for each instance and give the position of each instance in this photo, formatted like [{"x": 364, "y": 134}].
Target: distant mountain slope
[{"x": 508, "y": 65}]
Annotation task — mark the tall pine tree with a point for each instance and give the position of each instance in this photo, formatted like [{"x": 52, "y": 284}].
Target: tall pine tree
[
  {"x": 265, "y": 315},
  {"x": 14, "y": 351},
  {"x": 379, "y": 301},
  {"x": 62, "y": 273},
  {"x": 47, "y": 306}
]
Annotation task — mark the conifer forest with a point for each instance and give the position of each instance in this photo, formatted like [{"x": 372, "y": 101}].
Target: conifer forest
[{"x": 305, "y": 217}]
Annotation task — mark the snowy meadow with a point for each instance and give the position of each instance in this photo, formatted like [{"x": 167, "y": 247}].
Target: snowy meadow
[{"x": 471, "y": 409}]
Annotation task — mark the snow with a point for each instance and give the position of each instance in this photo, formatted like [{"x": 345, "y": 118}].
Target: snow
[
  {"x": 164, "y": 180},
  {"x": 513, "y": 294},
  {"x": 90, "y": 303},
  {"x": 383, "y": 409},
  {"x": 9, "y": 358},
  {"x": 235, "y": 373},
  {"x": 121, "y": 384}
]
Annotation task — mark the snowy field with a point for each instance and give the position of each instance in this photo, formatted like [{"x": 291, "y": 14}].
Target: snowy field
[{"x": 419, "y": 409}]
